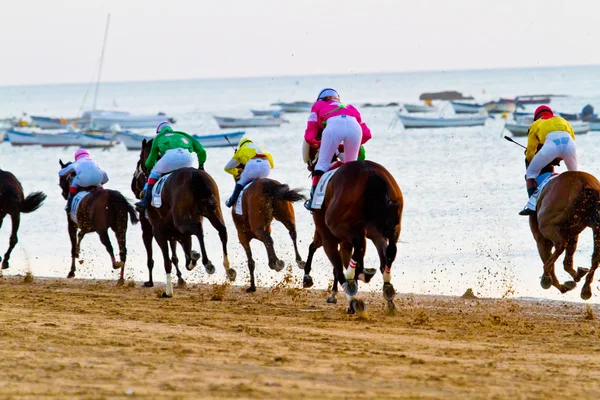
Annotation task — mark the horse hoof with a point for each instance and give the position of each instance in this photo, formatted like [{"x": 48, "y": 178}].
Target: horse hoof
[
  {"x": 231, "y": 274},
  {"x": 546, "y": 281},
  {"x": 391, "y": 307},
  {"x": 301, "y": 264},
  {"x": 195, "y": 255},
  {"x": 210, "y": 268},
  {"x": 164, "y": 295},
  {"x": 586, "y": 292},
  {"x": 350, "y": 310},
  {"x": 121, "y": 282},
  {"x": 180, "y": 283},
  {"x": 118, "y": 265},
  {"x": 279, "y": 265},
  {"x": 307, "y": 281},
  {"x": 569, "y": 285},
  {"x": 369, "y": 274},
  {"x": 351, "y": 287},
  {"x": 359, "y": 306},
  {"x": 148, "y": 284},
  {"x": 71, "y": 275},
  {"x": 331, "y": 300},
  {"x": 581, "y": 272},
  {"x": 190, "y": 266},
  {"x": 388, "y": 292},
  {"x": 5, "y": 264},
  {"x": 251, "y": 289}
]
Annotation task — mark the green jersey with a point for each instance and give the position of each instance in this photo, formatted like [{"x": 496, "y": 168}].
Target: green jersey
[{"x": 175, "y": 140}]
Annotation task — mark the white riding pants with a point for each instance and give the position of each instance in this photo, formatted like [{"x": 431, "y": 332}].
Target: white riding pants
[
  {"x": 256, "y": 168},
  {"x": 341, "y": 128},
  {"x": 172, "y": 160},
  {"x": 558, "y": 145}
]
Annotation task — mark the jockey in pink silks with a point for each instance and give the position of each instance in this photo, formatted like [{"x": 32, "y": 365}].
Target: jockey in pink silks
[{"x": 341, "y": 123}]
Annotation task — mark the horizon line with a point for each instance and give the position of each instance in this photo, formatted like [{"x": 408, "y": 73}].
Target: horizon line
[{"x": 278, "y": 76}]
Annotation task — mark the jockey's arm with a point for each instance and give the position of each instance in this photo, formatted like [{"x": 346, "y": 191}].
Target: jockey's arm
[
  {"x": 151, "y": 160},
  {"x": 69, "y": 169},
  {"x": 199, "y": 150},
  {"x": 532, "y": 145},
  {"x": 232, "y": 167},
  {"x": 104, "y": 178}
]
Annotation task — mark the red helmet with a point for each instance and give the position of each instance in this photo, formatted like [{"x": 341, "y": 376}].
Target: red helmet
[{"x": 543, "y": 112}]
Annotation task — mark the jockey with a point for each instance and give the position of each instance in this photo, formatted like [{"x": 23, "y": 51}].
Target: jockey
[
  {"x": 173, "y": 150},
  {"x": 256, "y": 163},
  {"x": 87, "y": 174},
  {"x": 341, "y": 123},
  {"x": 556, "y": 138}
]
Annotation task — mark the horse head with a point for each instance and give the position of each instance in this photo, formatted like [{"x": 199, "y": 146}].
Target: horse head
[{"x": 65, "y": 181}]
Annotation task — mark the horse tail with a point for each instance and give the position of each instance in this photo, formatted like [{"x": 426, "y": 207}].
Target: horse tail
[
  {"x": 202, "y": 192},
  {"x": 32, "y": 202},
  {"x": 592, "y": 197},
  {"x": 118, "y": 202},
  {"x": 379, "y": 207},
  {"x": 278, "y": 191}
]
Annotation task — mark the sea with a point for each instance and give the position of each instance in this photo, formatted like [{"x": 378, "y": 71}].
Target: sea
[{"x": 463, "y": 187}]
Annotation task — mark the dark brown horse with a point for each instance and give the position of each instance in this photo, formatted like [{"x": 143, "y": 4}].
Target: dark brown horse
[
  {"x": 137, "y": 187},
  {"x": 13, "y": 203},
  {"x": 263, "y": 201},
  {"x": 361, "y": 197},
  {"x": 188, "y": 195},
  {"x": 566, "y": 206},
  {"x": 99, "y": 211}
]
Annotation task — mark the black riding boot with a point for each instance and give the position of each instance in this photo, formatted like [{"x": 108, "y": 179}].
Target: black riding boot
[
  {"x": 69, "y": 202},
  {"x": 147, "y": 199},
  {"x": 236, "y": 192}
]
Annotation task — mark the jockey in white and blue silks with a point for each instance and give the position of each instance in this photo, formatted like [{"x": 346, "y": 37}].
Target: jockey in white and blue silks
[{"x": 87, "y": 174}]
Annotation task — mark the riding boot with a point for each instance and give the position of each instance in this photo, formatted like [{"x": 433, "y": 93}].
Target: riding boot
[
  {"x": 531, "y": 189},
  {"x": 236, "y": 192},
  {"x": 147, "y": 199},
  {"x": 316, "y": 178},
  {"x": 69, "y": 202}
]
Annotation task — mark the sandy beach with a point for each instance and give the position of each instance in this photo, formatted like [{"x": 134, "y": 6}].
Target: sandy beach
[{"x": 91, "y": 339}]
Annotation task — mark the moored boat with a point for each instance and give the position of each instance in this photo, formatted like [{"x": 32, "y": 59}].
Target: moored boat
[
  {"x": 99, "y": 119},
  {"x": 419, "y": 108},
  {"x": 466, "y": 108},
  {"x": 133, "y": 141},
  {"x": 266, "y": 113},
  {"x": 410, "y": 121},
  {"x": 258, "y": 122},
  {"x": 52, "y": 123},
  {"x": 294, "y": 107},
  {"x": 520, "y": 129},
  {"x": 501, "y": 106}
]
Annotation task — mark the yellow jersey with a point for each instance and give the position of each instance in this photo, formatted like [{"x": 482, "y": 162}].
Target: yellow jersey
[
  {"x": 244, "y": 154},
  {"x": 540, "y": 129}
]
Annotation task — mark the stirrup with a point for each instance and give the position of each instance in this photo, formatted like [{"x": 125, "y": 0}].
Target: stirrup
[
  {"x": 308, "y": 205},
  {"x": 527, "y": 211}
]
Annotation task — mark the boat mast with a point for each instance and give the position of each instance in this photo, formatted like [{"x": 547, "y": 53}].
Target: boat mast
[{"x": 101, "y": 62}]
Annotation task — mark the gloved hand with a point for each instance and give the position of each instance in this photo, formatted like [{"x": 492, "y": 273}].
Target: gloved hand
[
  {"x": 341, "y": 148},
  {"x": 314, "y": 144}
]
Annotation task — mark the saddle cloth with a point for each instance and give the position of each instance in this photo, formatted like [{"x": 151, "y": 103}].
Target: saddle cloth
[
  {"x": 238, "y": 203},
  {"x": 319, "y": 195},
  {"x": 157, "y": 191},
  {"x": 532, "y": 203},
  {"x": 75, "y": 205}
]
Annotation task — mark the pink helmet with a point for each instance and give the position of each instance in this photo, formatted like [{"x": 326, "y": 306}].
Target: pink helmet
[{"x": 81, "y": 153}]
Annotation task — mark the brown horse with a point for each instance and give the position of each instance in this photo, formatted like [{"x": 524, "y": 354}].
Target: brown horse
[
  {"x": 263, "y": 201},
  {"x": 137, "y": 187},
  {"x": 566, "y": 206},
  {"x": 188, "y": 195},
  {"x": 99, "y": 211},
  {"x": 362, "y": 196},
  {"x": 13, "y": 203}
]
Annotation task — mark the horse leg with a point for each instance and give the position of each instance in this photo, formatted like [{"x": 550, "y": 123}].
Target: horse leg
[
  {"x": 291, "y": 227},
  {"x": 147, "y": 237},
  {"x": 331, "y": 249},
  {"x": 122, "y": 242},
  {"x": 245, "y": 242},
  {"x": 312, "y": 248},
  {"x": 568, "y": 262},
  {"x": 264, "y": 236},
  {"x": 217, "y": 222},
  {"x": 351, "y": 287},
  {"x": 175, "y": 259},
  {"x": 163, "y": 243},
  {"x": 12, "y": 242},
  {"x": 586, "y": 291},
  {"x": 2, "y": 215},
  {"x": 74, "y": 246},
  {"x": 105, "y": 239},
  {"x": 549, "y": 273}
]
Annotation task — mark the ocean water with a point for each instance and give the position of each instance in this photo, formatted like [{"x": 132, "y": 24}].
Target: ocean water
[{"x": 463, "y": 187}]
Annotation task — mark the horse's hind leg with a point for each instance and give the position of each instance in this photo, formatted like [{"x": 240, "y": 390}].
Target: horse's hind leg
[
  {"x": 12, "y": 242},
  {"x": 351, "y": 286},
  {"x": 175, "y": 259},
  {"x": 216, "y": 221},
  {"x": 147, "y": 237},
  {"x": 264, "y": 236},
  {"x": 74, "y": 246},
  {"x": 122, "y": 242},
  {"x": 291, "y": 227},
  {"x": 163, "y": 243},
  {"x": 568, "y": 262},
  {"x": 104, "y": 238},
  {"x": 586, "y": 291},
  {"x": 549, "y": 273},
  {"x": 312, "y": 248},
  {"x": 245, "y": 242}
]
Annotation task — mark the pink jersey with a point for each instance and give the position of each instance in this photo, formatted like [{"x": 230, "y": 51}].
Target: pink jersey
[{"x": 323, "y": 110}]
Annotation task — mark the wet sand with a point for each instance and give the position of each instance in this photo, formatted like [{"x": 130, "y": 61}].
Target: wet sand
[{"x": 90, "y": 339}]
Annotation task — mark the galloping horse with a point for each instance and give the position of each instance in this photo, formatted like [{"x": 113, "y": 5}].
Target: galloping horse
[
  {"x": 188, "y": 195},
  {"x": 262, "y": 201},
  {"x": 99, "y": 211},
  {"x": 13, "y": 203},
  {"x": 361, "y": 197},
  {"x": 137, "y": 187},
  {"x": 565, "y": 207}
]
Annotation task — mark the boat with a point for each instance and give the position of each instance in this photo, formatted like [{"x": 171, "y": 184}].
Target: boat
[
  {"x": 410, "y": 121},
  {"x": 101, "y": 119},
  {"x": 501, "y": 106},
  {"x": 60, "y": 138},
  {"x": 466, "y": 108},
  {"x": 18, "y": 137},
  {"x": 380, "y": 105},
  {"x": 419, "y": 108},
  {"x": 533, "y": 99},
  {"x": 266, "y": 113},
  {"x": 295, "y": 107},
  {"x": 133, "y": 141},
  {"x": 52, "y": 123},
  {"x": 520, "y": 129},
  {"x": 448, "y": 95},
  {"x": 262, "y": 122}
]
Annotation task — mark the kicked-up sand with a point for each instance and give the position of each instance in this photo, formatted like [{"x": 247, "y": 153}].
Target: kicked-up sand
[{"x": 91, "y": 339}]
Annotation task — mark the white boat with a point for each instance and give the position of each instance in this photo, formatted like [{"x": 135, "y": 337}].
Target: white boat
[
  {"x": 520, "y": 129},
  {"x": 25, "y": 137},
  {"x": 501, "y": 106},
  {"x": 465, "y": 108},
  {"x": 295, "y": 107},
  {"x": 419, "y": 108},
  {"x": 133, "y": 141},
  {"x": 51, "y": 123},
  {"x": 100, "y": 119},
  {"x": 266, "y": 113},
  {"x": 410, "y": 121},
  {"x": 60, "y": 138},
  {"x": 224, "y": 122}
]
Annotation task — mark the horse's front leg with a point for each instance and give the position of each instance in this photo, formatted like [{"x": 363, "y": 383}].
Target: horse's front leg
[
  {"x": 216, "y": 221},
  {"x": 549, "y": 278},
  {"x": 163, "y": 243},
  {"x": 569, "y": 260},
  {"x": 147, "y": 237},
  {"x": 175, "y": 259},
  {"x": 16, "y": 220},
  {"x": 74, "y": 246},
  {"x": 307, "y": 281}
]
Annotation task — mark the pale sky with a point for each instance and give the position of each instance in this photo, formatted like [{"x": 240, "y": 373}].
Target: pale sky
[{"x": 59, "y": 41}]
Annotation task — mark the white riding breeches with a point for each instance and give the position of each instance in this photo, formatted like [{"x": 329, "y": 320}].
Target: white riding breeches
[
  {"x": 172, "y": 160},
  {"x": 557, "y": 145},
  {"x": 341, "y": 128},
  {"x": 256, "y": 168},
  {"x": 89, "y": 177}
]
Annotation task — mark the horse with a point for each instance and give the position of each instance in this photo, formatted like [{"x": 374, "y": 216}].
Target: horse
[
  {"x": 361, "y": 197},
  {"x": 13, "y": 202},
  {"x": 137, "y": 187},
  {"x": 100, "y": 210},
  {"x": 565, "y": 207},
  {"x": 188, "y": 195},
  {"x": 263, "y": 201}
]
